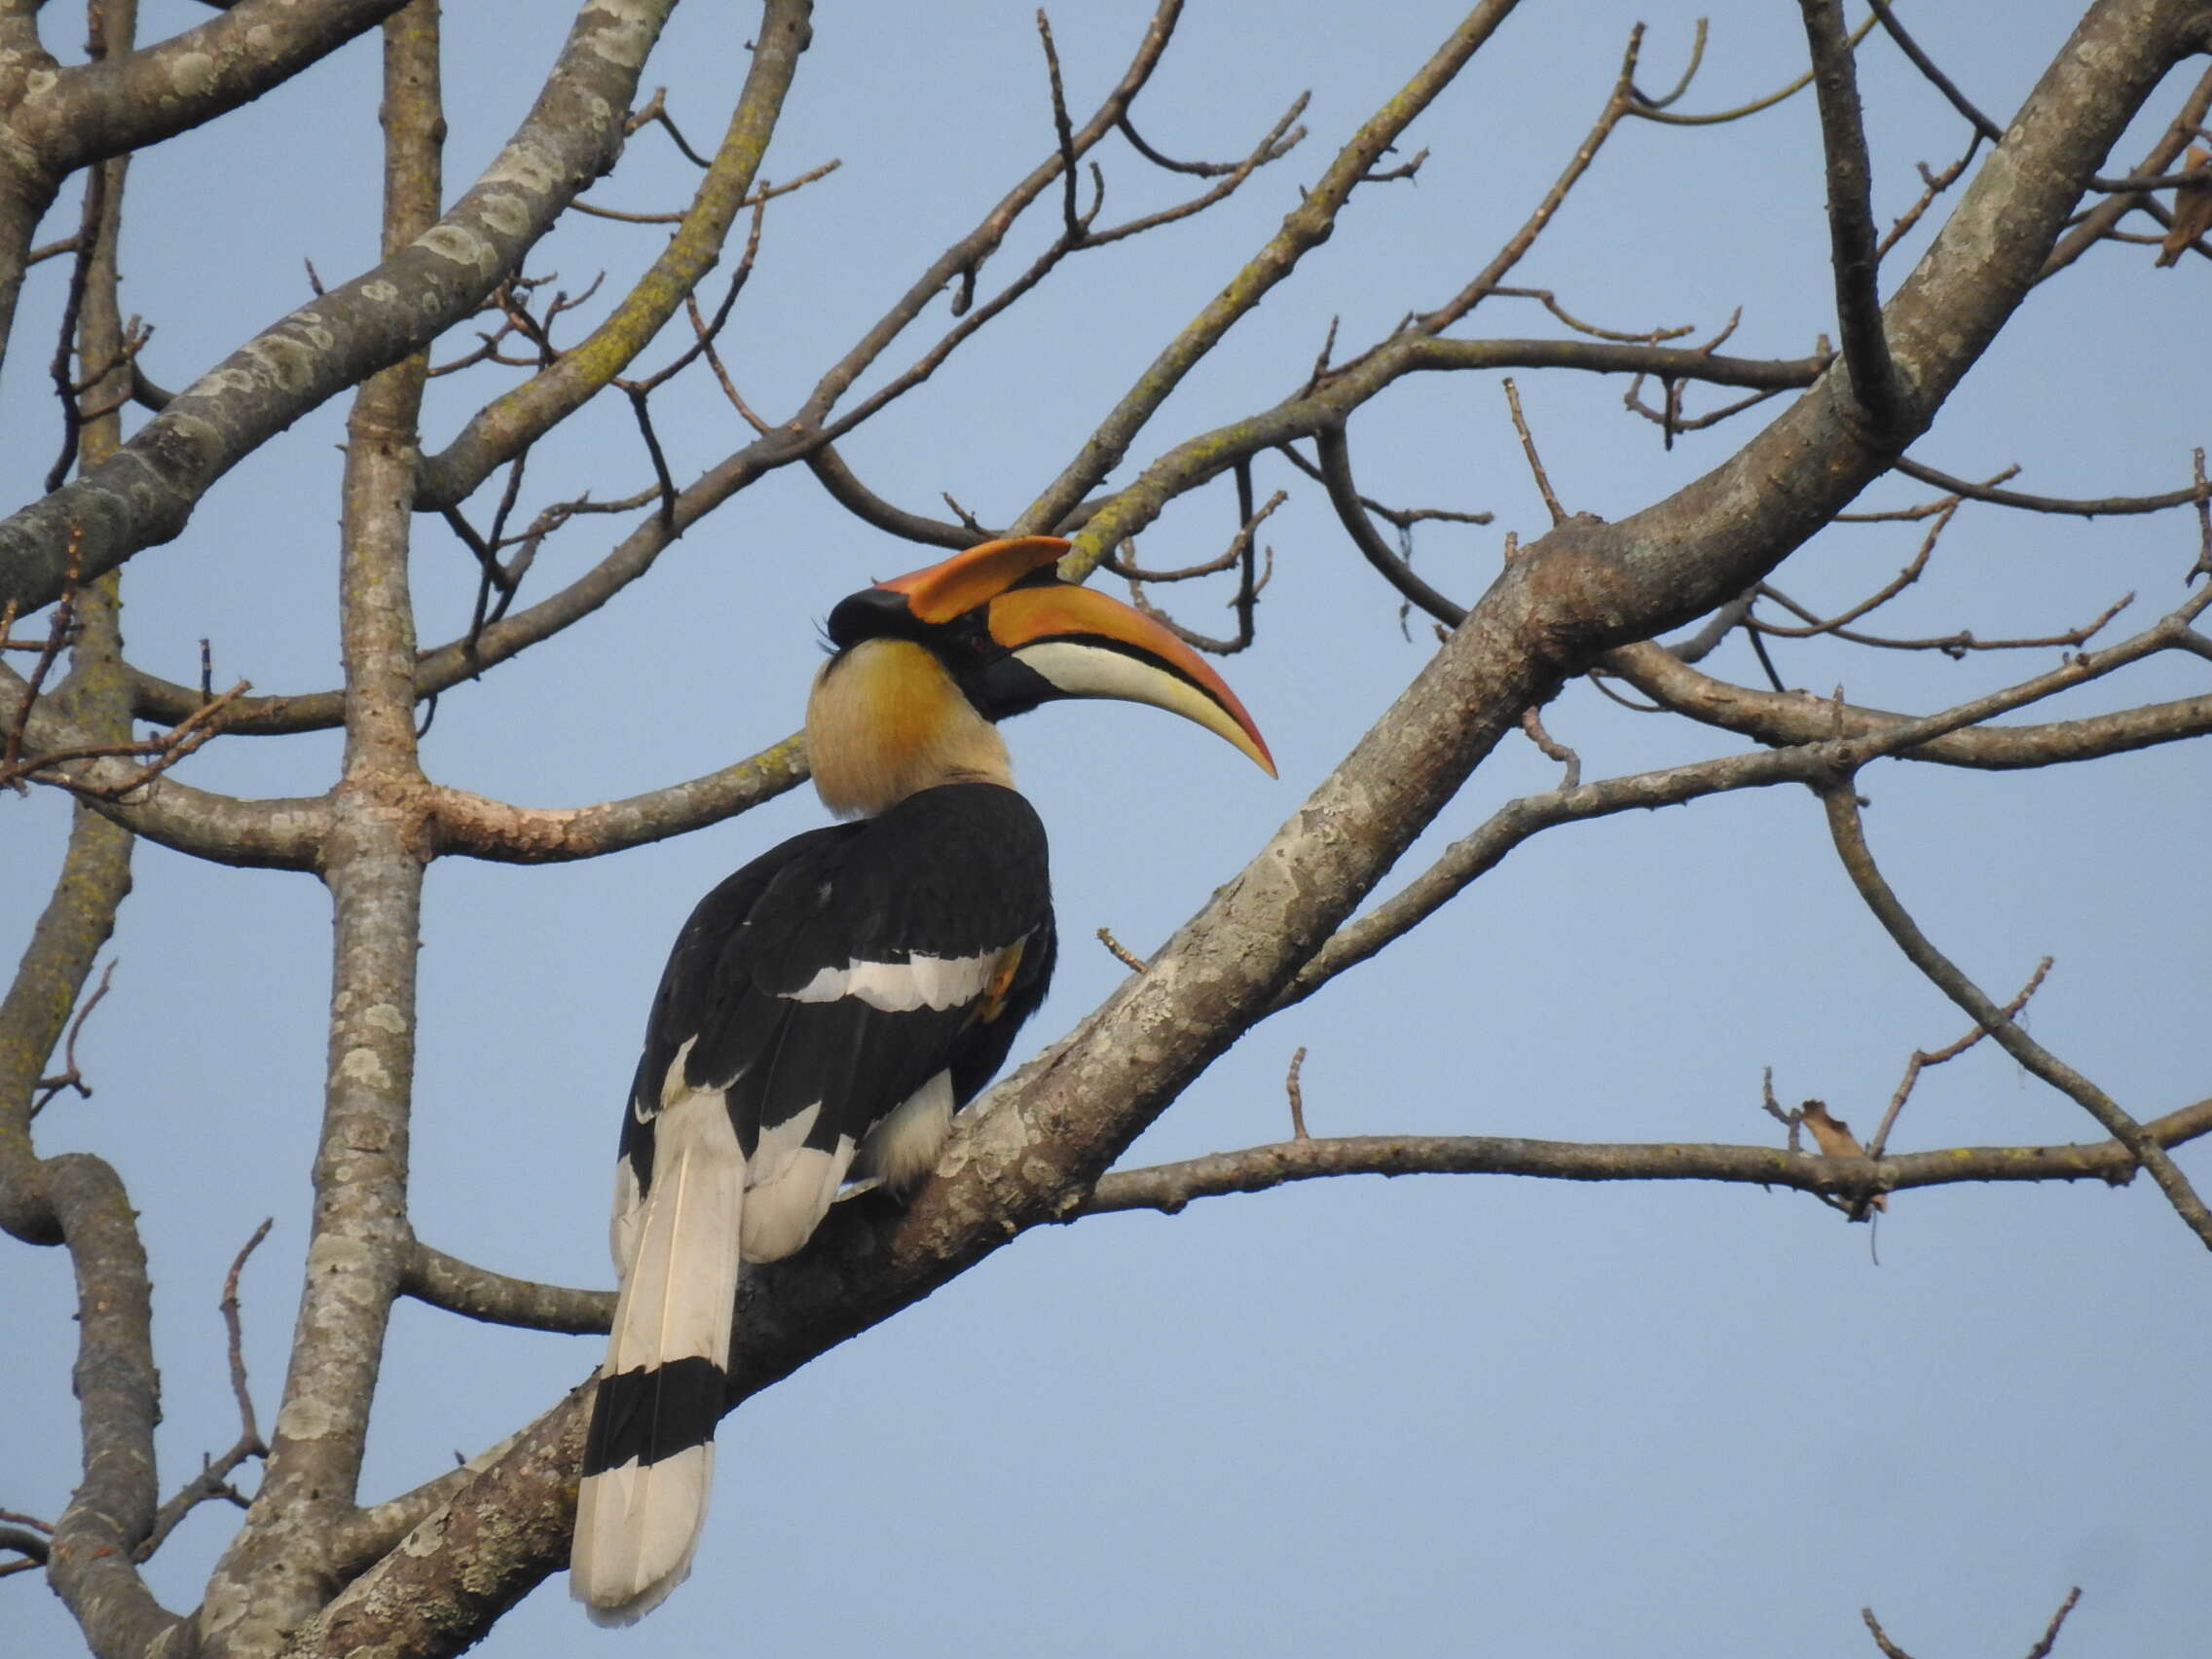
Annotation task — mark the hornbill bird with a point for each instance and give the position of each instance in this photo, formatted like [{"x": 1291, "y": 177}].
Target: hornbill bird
[{"x": 827, "y": 1008}]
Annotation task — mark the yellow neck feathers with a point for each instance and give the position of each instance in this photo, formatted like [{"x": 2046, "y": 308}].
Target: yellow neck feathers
[{"x": 886, "y": 720}]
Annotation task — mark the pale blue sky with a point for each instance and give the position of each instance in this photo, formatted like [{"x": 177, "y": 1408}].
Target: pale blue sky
[{"x": 1434, "y": 1416}]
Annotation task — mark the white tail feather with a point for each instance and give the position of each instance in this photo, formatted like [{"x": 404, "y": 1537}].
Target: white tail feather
[{"x": 637, "y": 1524}]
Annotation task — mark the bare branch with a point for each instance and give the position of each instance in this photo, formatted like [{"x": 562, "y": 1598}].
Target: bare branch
[
  {"x": 1922, "y": 1059},
  {"x": 1858, "y": 862},
  {"x": 1304, "y": 229},
  {"x": 1983, "y": 126},
  {"x": 2099, "y": 508},
  {"x": 1851, "y": 221},
  {"x": 1528, "y": 449},
  {"x": 127, "y": 102},
  {"x": 215, "y": 1477},
  {"x": 2050, "y": 1637},
  {"x": 1651, "y": 111},
  {"x": 461, "y": 1287},
  {"x": 500, "y": 431},
  {"x": 144, "y": 493},
  {"x": 1170, "y": 1187}
]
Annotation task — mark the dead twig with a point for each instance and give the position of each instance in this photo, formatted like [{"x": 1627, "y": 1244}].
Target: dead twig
[
  {"x": 71, "y": 1077},
  {"x": 1553, "y": 749},
  {"x": 1119, "y": 952},
  {"x": 215, "y": 1477},
  {"x": 2045, "y": 1642},
  {"x": 1889, "y": 1649},
  {"x": 1528, "y": 449},
  {"x": 1297, "y": 1094},
  {"x": 1922, "y": 1059}
]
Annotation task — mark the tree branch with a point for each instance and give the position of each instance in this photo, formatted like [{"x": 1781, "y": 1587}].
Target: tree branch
[
  {"x": 1850, "y": 837},
  {"x": 1851, "y": 221},
  {"x": 1797, "y": 716},
  {"x": 1169, "y": 1188},
  {"x": 145, "y": 494},
  {"x": 112, "y": 106},
  {"x": 1304, "y": 229},
  {"x": 502, "y": 430},
  {"x": 445, "y": 1281}
]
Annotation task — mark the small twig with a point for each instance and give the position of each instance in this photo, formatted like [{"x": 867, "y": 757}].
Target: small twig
[
  {"x": 1889, "y": 1649},
  {"x": 968, "y": 520},
  {"x": 1550, "y": 303},
  {"x": 1922, "y": 1059},
  {"x": 1651, "y": 111},
  {"x": 1399, "y": 518},
  {"x": 1850, "y": 837},
  {"x": 2196, "y": 494},
  {"x": 2203, "y": 565},
  {"x": 1528, "y": 449},
  {"x": 1390, "y": 175},
  {"x": 1320, "y": 368},
  {"x": 1064, "y": 129},
  {"x": 637, "y": 400},
  {"x": 1297, "y": 1094},
  {"x": 2041, "y": 1649},
  {"x": 1792, "y": 1120},
  {"x": 1956, "y": 646},
  {"x": 1553, "y": 749},
  {"x": 215, "y": 1477},
  {"x": 229, "y": 1306},
  {"x": 1126, "y": 958},
  {"x": 655, "y": 112},
  {"x": 1935, "y": 185},
  {"x": 161, "y": 752},
  {"x": 57, "y": 634},
  {"x": 71, "y": 1077},
  {"x": 1983, "y": 126}
]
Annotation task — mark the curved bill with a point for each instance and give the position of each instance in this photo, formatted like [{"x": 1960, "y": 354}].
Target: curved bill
[{"x": 1085, "y": 644}]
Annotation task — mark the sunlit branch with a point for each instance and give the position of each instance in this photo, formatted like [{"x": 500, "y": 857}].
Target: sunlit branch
[{"x": 1170, "y": 1187}]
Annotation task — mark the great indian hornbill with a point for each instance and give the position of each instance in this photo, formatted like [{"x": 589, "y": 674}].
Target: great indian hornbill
[{"x": 829, "y": 1006}]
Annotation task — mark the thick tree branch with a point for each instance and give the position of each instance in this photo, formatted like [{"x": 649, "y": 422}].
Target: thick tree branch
[
  {"x": 359, "y": 1240},
  {"x": 114, "y": 105}
]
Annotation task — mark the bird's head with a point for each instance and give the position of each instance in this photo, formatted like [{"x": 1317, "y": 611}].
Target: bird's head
[{"x": 926, "y": 662}]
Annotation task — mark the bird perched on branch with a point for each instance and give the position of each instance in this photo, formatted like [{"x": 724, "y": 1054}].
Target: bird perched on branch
[{"x": 829, "y": 1008}]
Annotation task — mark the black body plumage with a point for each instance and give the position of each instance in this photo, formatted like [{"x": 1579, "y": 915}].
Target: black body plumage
[{"x": 955, "y": 874}]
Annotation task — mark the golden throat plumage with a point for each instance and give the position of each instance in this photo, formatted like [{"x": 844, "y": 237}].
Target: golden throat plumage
[{"x": 886, "y": 720}]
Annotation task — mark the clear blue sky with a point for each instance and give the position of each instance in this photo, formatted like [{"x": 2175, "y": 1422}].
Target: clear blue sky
[{"x": 1431, "y": 1416}]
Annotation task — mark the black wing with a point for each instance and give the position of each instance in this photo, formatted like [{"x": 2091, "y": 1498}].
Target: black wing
[{"x": 841, "y": 971}]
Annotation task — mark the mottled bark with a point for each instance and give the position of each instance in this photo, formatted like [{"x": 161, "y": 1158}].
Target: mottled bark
[{"x": 282, "y": 1568}]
